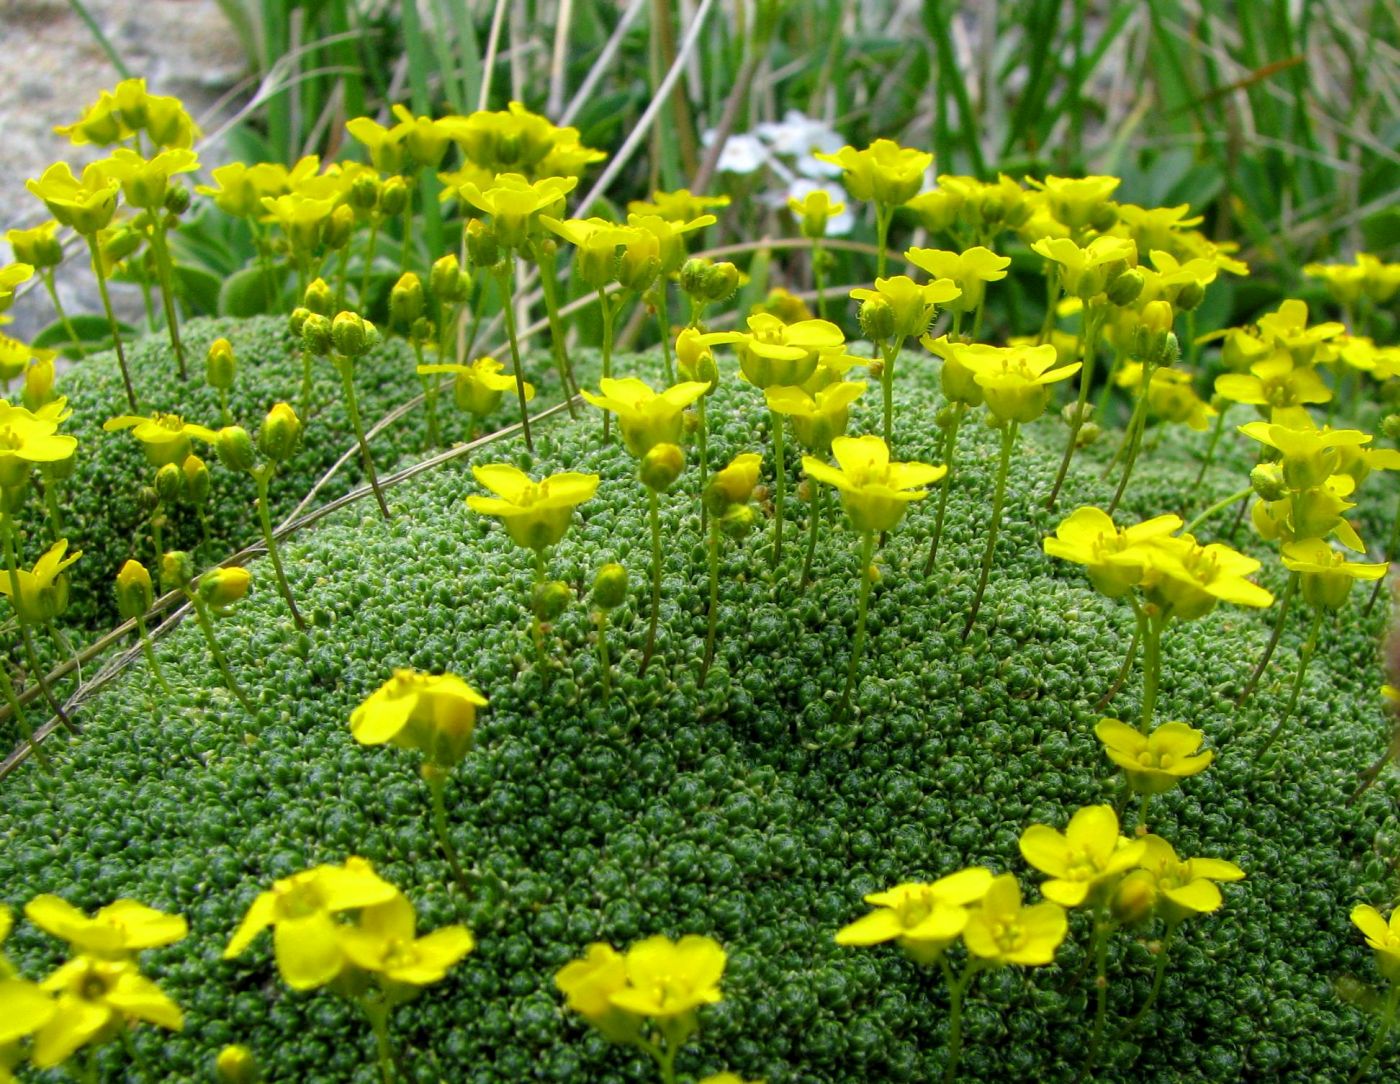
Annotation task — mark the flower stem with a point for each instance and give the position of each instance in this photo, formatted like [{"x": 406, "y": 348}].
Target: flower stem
[
  {"x": 604, "y": 662},
  {"x": 148, "y": 649},
  {"x": 61, "y": 313},
  {"x": 609, "y": 313},
  {"x": 956, "y": 989},
  {"x": 51, "y": 503},
  {"x": 549, "y": 286},
  {"x": 1088, "y": 343},
  {"x": 818, "y": 507},
  {"x": 1294, "y": 580},
  {"x": 819, "y": 276},
  {"x": 437, "y": 787},
  {"x": 201, "y": 613},
  {"x": 430, "y": 397},
  {"x": 306, "y": 393},
  {"x": 712, "y": 624},
  {"x": 1132, "y": 439},
  {"x": 1377, "y": 1044},
  {"x": 1139, "y": 629},
  {"x": 1215, "y": 432},
  {"x": 891, "y": 352},
  {"x": 7, "y": 528},
  {"x": 1151, "y": 667},
  {"x": 1008, "y": 442},
  {"x": 503, "y": 277},
  {"x": 111, "y": 320},
  {"x": 780, "y": 491},
  {"x": 369, "y": 258},
  {"x": 536, "y": 626},
  {"x": 663, "y": 320},
  {"x": 262, "y": 478},
  {"x": 1102, "y": 928},
  {"x": 1390, "y": 550},
  {"x": 702, "y": 440},
  {"x": 867, "y": 581},
  {"x": 654, "y": 514},
  {"x": 1158, "y": 974},
  {"x": 347, "y": 380},
  {"x": 951, "y": 445},
  {"x": 378, "y": 1014},
  {"x": 1218, "y": 507},
  {"x": 883, "y": 216},
  {"x": 21, "y": 720},
  {"x": 165, "y": 276},
  {"x": 1304, "y": 657}
]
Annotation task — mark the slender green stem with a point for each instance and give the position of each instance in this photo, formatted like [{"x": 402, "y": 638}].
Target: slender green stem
[
  {"x": 1088, "y": 345},
  {"x": 1391, "y": 547},
  {"x": 262, "y": 478},
  {"x": 654, "y": 515},
  {"x": 347, "y": 380},
  {"x": 549, "y": 286},
  {"x": 407, "y": 256},
  {"x": 1304, "y": 657},
  {"x": 951, "y": 446},
  {"x": 712, "y": 622},
  {"x": 957, "y": 988},
  {"x": 342, "y": 274},
  {"x": 21, "y": 720},
  {"x": 148, "y": 649},
  {"x": 1052, "y": 297},
  {"x": 370, "y": 246},
  {"x": 1153, "y": 627},
  {"x": 780, "y": 490},
  {"x": 111, "y": 320},
  {"x": 11, "y": 537},
  {"x": 430, "y": 397},
  {"x": 1295, "y": 580},
  {"x": 378, "y": 1014},
  {"x": 157, "y": 533},
  {"x": 818, "y": 507},
  {"x": 819, "y": 276},
  {"x": 503, "y": 277},
  {"x": 1102, "y": 928},
  {"x": 604, "y": 661},
  {"x": 702, "y": 439},
  {"x": 606, "y": 306},
  {"x": 61, "y": 313},
  {"x": 206, "y": 625},
  {"x": 1215, "y": 433},
  {"x": 1008, "y": 442},
  {"x": 1132, "y": 439},
  {"x": 52, "y": 507},
  {"x": 1218, "y": 507},
  {"x": 436, "y": 778},
  {"x": 536, "y": 625},
  {"x": 891, "y": 352},
  {"x": 883, "y": 216},
  {"x": 165, "y": 276},
  {"x": 1158, "y": 973},
  {"x": 1382, "y": 1033},
  {"x": 663, "y": 320},
  {"x": 1139, "y": 632},
  {"x": 867, "y": 553},
  {"x": 306, "y": 387},
  {"x": 1143, "y": 807}
]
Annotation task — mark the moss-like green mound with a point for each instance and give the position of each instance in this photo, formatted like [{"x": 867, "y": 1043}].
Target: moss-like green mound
[{"x": 736, "y": 810}]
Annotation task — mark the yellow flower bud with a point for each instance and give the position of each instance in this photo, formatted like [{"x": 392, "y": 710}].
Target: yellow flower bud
[
  {"x": 406, "y": 302},
  {"x": 169, "y": 483},
  {"x": 482, "y": 247},
  {"x": 235, "y": 448},
  {"x": 134, "y": 591},
  {"x": 220, "y": 365},
  {"x": 237, "y": 1065},
  {"x": 176, "y": 569},
  {"x": 352, "y": 334},
  {"x": 393, "y": 197},
  {"x": 549, "y": 600},
  {"x": 319, "y": 297},
  {"x": 222, "y": 587},
  {"x": 316, "y": 335},
  {"x": 277, "y": 439},
  {"x": 1135, "y": 897},
  {"x": 661, "y": 466},
  {"x": 339, "y": 227},
  {"x": 38, "y": 383},
  {"x": 610, "y": 586},
  {"x": 196, "y": 478},
  {"x": 448, "y": 282}
]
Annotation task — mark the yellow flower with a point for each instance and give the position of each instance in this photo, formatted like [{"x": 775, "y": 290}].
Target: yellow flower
[
  {"x": 874, "y": 491},
  {"x": 239, "y": 188},
  {"x": 411, "y": 143},
  {"x": 820, "y": 417},
  {"x": 1077, "y": 202},
  {"x": 668, "y": 978},
  {"x": 773, "y": 353},
  {"x": 1154, "y": 763},
  {"x": 1310, "y": 455},
  {"x": 514, "y": 202},
  {"x": 647, "y": 418},
  {"x": 679, "y": 206},
  {"x": 1084, "y": 859},
  {"x": 306, "y": 939},
  {"x": 38, "y": 247},
  {"x": 911, "y": 304},
  {"x": 1004, "y": 931},
  {"x": 1110, "y": 555},
  {"x": 1185, "y": 888},
  {"x": 1086, "y": 270},
  {"x": 301, "y": 217},
  {"x": 29, "y": 437},
  {"x": 1170, "y": 395},
  {"x": 670, "y": 236},
  {"x": 1382, "y": 936},
  {"x": 100, "y": 123},
  {"x": 11, "y": 275},
  {"x": 145, "y": 181},
  {"x": 1287, "y": 327},
  {"x": 433, "y": 713},
  {"x": 1015, "y": 380},
  {"x": 924, "y": 919},
  {"x": 1327, "y": 575},
  {"x": 91, "y": 995},
  {"x": 969, "y": 270},
  {"x": 43, "y": 592},
  {"x": 165, "y": 437},
  {"x": 84, "y": 206},
  {"x": 1382, "y": 279},
  {"x": 384, "y": 941},
  {"x": 813, "y": 212},
  {"x": 735, "y": 483},
  {"x": 479, "y": 385},
  {"x": 1275, "y": 381},
  {"x": 511, "y": 140},
  {"x": 1186, "y": 580},
  {"x": 596, "y": 241},
  {"x": 884, "y": 172},
  {"x": 113, "y": 933},
  {"x": 24, "y": 1009},
  {"x": 588, "y": 986},
  {"x": 1157, "y": 227},
  {"x": 535, "y": 514}
]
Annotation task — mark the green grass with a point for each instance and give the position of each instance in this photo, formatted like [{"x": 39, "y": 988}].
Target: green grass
[{"x": 726, "y": 811}]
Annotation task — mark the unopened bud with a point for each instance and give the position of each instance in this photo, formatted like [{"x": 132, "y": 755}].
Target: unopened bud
[
  {"x": 482, "y": 248},
  {"x": 549, "y": 600},
  {"x": 448, "y": 282},
  {"x": 1124, "y": 289},
  {"x": 237, "y": 1065},
  {"x": 721, "y": 281},
  {"x": 235, "y": 448},
  {"x": 692, "y": 276},
  {"x": 1135, "y": 897},
  {"x": 296, "y": 322},
  {"x": 1391, "y": 426},
  {"x": 1089, "y": 433},
  {"x": 393, "y": 197},
  {"x": 38, "y": 383},
  {"x": 1190, "y": 296},
  {"x": 196, "y": 473},
  {"x": 1105, "y": 218},
  {"x": 222, "y": 587},
  {"x": 1267, "y": 481},
  {"x": 364, "y": 193},
  {"x": 610, "y": 586},
  {"x": 661, "y": 466},
  {"x": 220, "y": 365},
  {"x": 738, "y": 521},
  {"x": 277, "y": 439},
  {"x": 1157, "y": 315},
  {"x": 316, "y": 334},
  {"x": 176, "y": 570},
  {"x": 339, "y": 227},
  {"x": 177, "y": 199},
  {"x": 352, "y": 334},
  {"x": 405, "y": 302},
  {"x": 1072, "y": 413},
  {"x": 134, "y": 591},
  {"x": 877, "y": 319},
  {"x": 319, "y": 297},
  {"x": 169, "y": 483}
]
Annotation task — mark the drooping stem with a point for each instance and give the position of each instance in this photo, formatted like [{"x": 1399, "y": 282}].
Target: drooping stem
[
  {"x": 262, "y": 478},
  {"x": 1088, "y": 343},
  {"x": 712, "y": 622},
  {"x": 867, "y": 553},
  {"x": 951, "y": 445},
  {"x": 111, "y": 320},
  {"x": 148, "y": 649},
  {"x": 1295, "y": 579},
  {"x": 1008, "y": 442},
  {"x": 1304, "y": 657},
  {"x": 1382, "y": 1033},
  {"x": 61, "y": 313},
  {"x": 818, "y": 506},
  {"x": 654, "y": 515},
  {"x": 780, "y": 490},
  {"x": 206, "y": 625},
  {"x": 549, "y": 286},
  {"x": 347, "y": 380},
  {"x": 1158, "y": 973},
  {"x": 165, "y": 276},
  {"x": 436, "y": 778},
  {"x": 503, "y": 276}
]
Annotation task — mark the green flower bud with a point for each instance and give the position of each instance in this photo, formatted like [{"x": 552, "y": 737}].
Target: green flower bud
[
  {"x": 549, "y": 600},
  {"x": 1124, "y": 289},
  {"x": 339, "y": 227},
  {"x": 235, "y": 448},
  {"x": 1071, "y": 414},
  {"x": 738, "y": 521},
  {"x": 406, "y": 302},
  {"x": 121, "y": 244},
  {"x": 639, "y": 262},
  {"x": 692, "y": 276},
  {"x": 1089, "y": 433},
  {"x": 297, "y": 321},
  {"x": 722, "y": 281},
  {"x": 134, "y": 591},
  {"x": 281, "y": 429},
  {"x": 316, "y": 335},
  {"x": 1190, "y": 296},
  {"x": 38, "y": 247},
  {"x": 448, "y": 282},
  {"x": 220, "y": 365},
  {"x": 877, "y": 319},
  {"x": 1391, "y": 426},
  {"x": 393, "y": 197},
  {"x": 364, "y": 194},
  {"x": 1135, "y": 898},
  {"x": 176, "y": 570},
  {"x": 197, "y": 483},
  {"x": 353, "y": 335},
  {"x": 1104, "y": 218},
  {"x": 177, "y": 199},
  {"x": 169, "y": 483},
  {"x": 222, "y": 587},
  {"x": 661, "y": 466},
  {"x": 319, "y": 297},
  {"x": 1267, "y": 481},
  {"x": 237, "y": 1065},
  {"x": 482, "y": 248},
  {"x": 610, "y": 586}
]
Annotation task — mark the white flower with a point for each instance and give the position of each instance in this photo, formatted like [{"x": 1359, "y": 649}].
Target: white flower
[
  {"x": 836, "y": 225},
  {"x": 797, "y": 136},
  {"x": 742, "y": 153}
]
